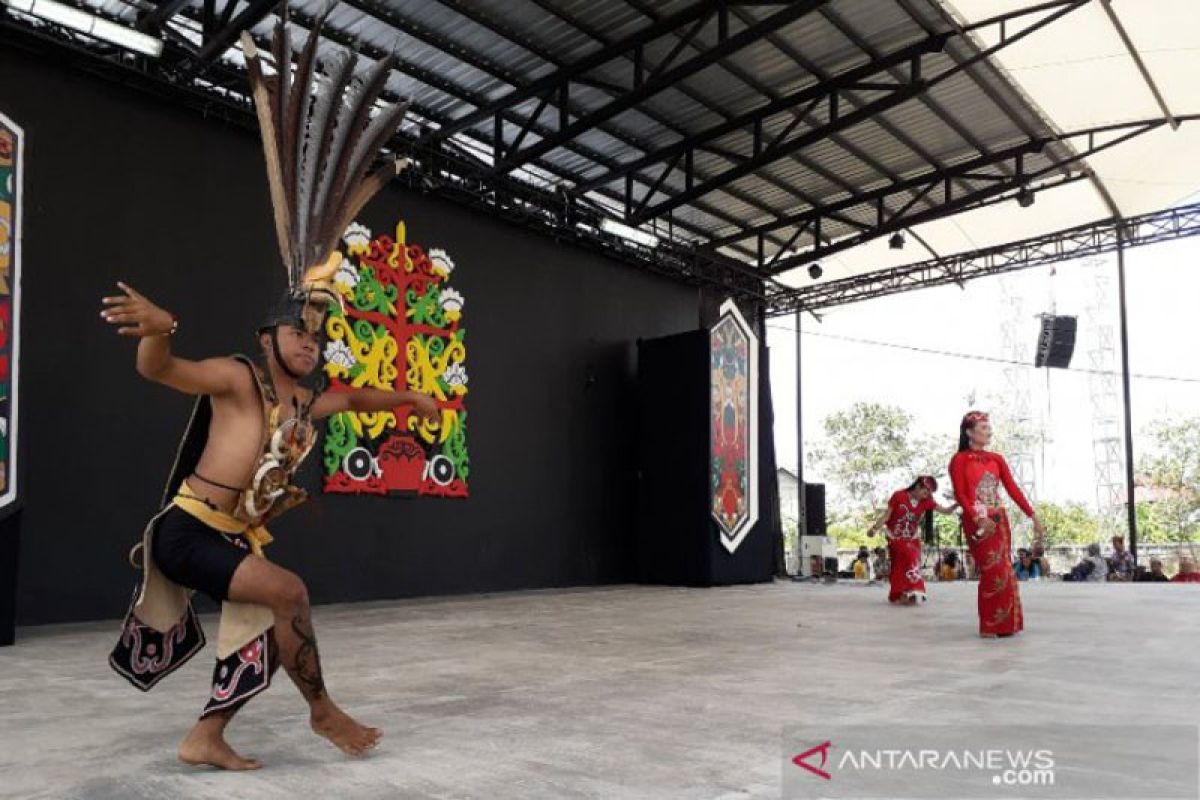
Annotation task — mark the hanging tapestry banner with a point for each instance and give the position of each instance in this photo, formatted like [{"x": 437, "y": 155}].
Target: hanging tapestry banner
[
  {"x": 12, "y": 169},
  {"x": 734, "y": 426}
]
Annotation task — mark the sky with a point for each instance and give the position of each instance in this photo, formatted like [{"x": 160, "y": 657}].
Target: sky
[{"x": 1163, "y": 285}]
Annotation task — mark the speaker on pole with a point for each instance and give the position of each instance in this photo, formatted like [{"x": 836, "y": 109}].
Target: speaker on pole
[{"x": 1056, "y": 342}]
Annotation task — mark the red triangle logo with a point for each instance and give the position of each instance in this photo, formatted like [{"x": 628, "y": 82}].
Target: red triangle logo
[{"x": 801, "y": 760}]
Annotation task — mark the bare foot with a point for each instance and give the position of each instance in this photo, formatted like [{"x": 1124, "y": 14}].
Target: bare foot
[
  {"x": 200, "y": 749},
  {"x": 346, "y": 734}
]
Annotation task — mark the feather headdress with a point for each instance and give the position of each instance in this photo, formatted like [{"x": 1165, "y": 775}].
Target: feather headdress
[{"x": 320, "y": 143}]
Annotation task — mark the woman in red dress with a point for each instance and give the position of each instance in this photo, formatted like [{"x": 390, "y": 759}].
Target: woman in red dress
[
  {"x": 903, "y": 520},
  {"x": 977, "y": 475}
]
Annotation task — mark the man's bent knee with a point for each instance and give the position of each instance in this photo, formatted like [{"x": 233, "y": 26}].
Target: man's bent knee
[
  {"x": 291, "y": 595},
  {"x": 259, "y": 581}
]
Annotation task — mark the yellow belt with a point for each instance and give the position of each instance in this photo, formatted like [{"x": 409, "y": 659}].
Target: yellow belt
[{"x": 257, "y": 535}]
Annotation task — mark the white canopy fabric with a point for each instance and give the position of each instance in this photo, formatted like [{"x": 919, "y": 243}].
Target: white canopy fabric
[{"x": 1079, "y": 72}]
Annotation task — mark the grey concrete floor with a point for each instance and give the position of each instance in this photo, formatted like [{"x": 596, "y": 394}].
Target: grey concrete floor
[{"x": 623, "y": 692}]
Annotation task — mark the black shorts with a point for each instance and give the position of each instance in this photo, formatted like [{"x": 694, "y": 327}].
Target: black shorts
[{"x": 196, "y": 556}]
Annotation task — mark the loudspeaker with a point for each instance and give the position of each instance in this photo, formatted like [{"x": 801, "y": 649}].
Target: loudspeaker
[
  {"x": 814, "y": 509},
  {"x": 1056, "y": 343}
]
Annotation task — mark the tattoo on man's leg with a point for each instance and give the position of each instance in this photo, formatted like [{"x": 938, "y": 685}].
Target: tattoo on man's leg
[{"x": 307, "y": 667}]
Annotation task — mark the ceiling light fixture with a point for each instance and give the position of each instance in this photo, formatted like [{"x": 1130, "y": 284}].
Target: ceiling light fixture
[
  {"x": 90, "y": 24},
  {"x": 635, "y": 235}
]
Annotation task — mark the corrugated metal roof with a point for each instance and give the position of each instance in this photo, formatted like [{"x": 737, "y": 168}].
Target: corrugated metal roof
[{"x": 456, "y": 56}]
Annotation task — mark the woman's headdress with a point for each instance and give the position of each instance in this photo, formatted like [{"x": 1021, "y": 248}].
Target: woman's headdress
[{"x": 973, "y": 417}]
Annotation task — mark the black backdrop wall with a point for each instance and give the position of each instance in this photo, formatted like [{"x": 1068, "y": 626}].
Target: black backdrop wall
[{"x": 123, "y": 186}]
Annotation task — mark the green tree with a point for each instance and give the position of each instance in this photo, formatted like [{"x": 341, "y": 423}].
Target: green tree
[
  {"x": 1150, "y": 524},
  {"x": 1068, "y": 523},
  {"x": 848, "y": 527},
  {"x": 931, "y": 456},
  {"x": 865, "y": 452},
  {"x": 1171, "y": 472}
]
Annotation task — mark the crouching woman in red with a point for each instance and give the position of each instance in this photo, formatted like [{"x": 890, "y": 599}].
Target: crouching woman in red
[
  {"x": 903, "y": 521},
  {"x": 977, "y": 475}
]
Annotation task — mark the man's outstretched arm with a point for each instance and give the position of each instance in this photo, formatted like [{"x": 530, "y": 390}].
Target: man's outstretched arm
[
  {"x": 368, "y": 399},
  {"x": 134, "y": 315}
]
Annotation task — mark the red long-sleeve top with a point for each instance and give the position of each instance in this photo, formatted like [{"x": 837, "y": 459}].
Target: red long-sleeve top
[
  {"x": 904, "y": 514},
  {"x": 976, "y": 475}
]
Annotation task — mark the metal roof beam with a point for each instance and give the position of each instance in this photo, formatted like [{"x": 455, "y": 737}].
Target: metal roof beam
[
  {"x": 1136, "y": 55},
  {"x": 549, "y": 7},
  {"x": 664, "y": 76},
  {"x": 1001, "y": 103},
  {"x": 589, "y": 62},
  {"x": 223, "y": 37},
  {"x": 993, "y": 187},
  {"x": 934, "y": 108},
  {"x": 1065, "y": 245},
  {"x": 814, "y": 93},
  {"x": 840, "y": 141},
  {"x": 472, "y": 13},
  {"x": 473, "y": 182},
  {"x": 154, "y": 20},
  {"x": 962, "y": 171},
  {"x": 758, "y": 86},
  {"x": 778, "y": 149},
  {"x": 300, "y": 20},
  {"x": 436, "y": 81},
  {"x": 1012, "y": 114},
  {"x": 521, "y": 123},
  {"x": 915, "y": 87}
]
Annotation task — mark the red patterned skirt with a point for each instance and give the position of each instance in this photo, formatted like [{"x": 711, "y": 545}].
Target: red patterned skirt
[
  {"x": 999, "y": 600},
  {"x": 906, "y": 581}
]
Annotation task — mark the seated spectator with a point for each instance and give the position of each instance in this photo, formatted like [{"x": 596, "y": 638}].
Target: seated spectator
[
  {"x": 881, "y": 565},
  {"x": 1092, "y": 568},
  {"x": 1120, "y": 563},
  {"x": 1039, "y": 557},
  {"x": 1187, "y": 571},
  {"x": 862, "y": 565},
  {"x": 1154, "y": 574},
  {"x": 1026, "y": 567},
  {"x": 948, "y": 567}
]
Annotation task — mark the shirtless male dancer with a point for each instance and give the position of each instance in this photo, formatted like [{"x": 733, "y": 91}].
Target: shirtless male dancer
[
  {"x": 252, "y": 424},
  {"x": 194, "y": 555}
]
